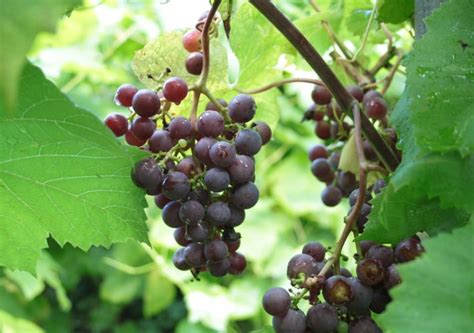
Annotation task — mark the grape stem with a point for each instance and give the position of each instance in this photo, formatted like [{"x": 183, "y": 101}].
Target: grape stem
[
  {"x": 314, "y": 59},
  {"x": 280, "y": 83}
]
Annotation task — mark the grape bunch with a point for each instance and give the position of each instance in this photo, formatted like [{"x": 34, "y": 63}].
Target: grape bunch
[
  {"x": 338, "y": 302},
  {"x": 334, "y": 128}
]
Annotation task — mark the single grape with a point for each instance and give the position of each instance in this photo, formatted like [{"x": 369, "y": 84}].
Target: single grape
[
  {"x": 322, "y": 318},
  {"x": 238, "y": 263},
  {"x": 315, "y": 250},
  {"x": 180, "y": 128},
  {"x": 355, "y": 194},
  {"x": 216, "y": 179},
  {"x": 194, "y": 63},
  {"x": 382, "y": 253},
  {"x": 216, "y": 250},
  {"x": 194, "y": 255},
  {"x": 180, "y": 236},
  {"x": 379, "y": 185},
  {"x": 117, "y": 123},
  {"x": 237, "y": 216},
  {"x": 376, "y": 108},
  {"x": 242, "y": 108},
  {"x": 356, "y": 92},
  {"x": 176, "y": 185},
  {"x": 233, "y": 245},
  {"x": 245, "y": 196},
  {"x": 222, "y": 154},
  {"x": 146, "y": 103},
  {"x": 264, "y": 130},
  {"x": 242, "y": 169},
  {"x": 392, "y": 277},
  {"x": 321, "y": 169},
  {"x": 161, "y": 200},
  {"x": 218, "y": 213},
  {"x": 317, "y": 151},
  {"x": 175, "y": 89},
  {"x": 198, "y": 232},
  {"x": 346, "y": 181},
  {"x": 334, "y": 159},
  {"x": 218, "y": 268},
  {"x": 363, "y": 216},
  {"x": 202, "y": 148},
  {"x": 365, "y": 245},
  {"x": 192, "y": 41},
  {"x": 160, "y": 141},
  {"x": 132, "y": 140},
  {"x": 370, "y": 271},
  {"x": 124, "y": 95},
  {"x": 323, "y": 130},
  {"x": 369, "y": 152},
  {"x": 170, "y": 214},
  {"x": 337, "y": 290},
  {"x": 178, "y": 260},
  {"x": 380, "y": 300},
  {"x": 333, "y": 111},
  {"x": 364, "y": 325},
  {"x": 211, "y": 106},
  {"x": 276, "y": 302},
  {"x": 148, "y": 175},
  {"x": 331, "y": 196},
  {"x": 191, "y": 212},
  {"x": 321, "y": 95},
  {"x": 142, "y": 128},
  {"x": 210, "y": 123},
  {"x": 408, "y": 249},
  {"x": 293, "y": 322},
  {"x": 188, "y": 167},
  {"x": 301, "y": 264},
  {"x": 362, "y": 297},
  {"x": 369, "y": 95},
  {"x": 201, "y": 195},
  {"x": 248, "y": 142}
]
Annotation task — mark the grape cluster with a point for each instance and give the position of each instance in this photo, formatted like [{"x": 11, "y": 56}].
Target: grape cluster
[
  {"x": 339, "y": 302},
  {"x": 334, "y": 128}
]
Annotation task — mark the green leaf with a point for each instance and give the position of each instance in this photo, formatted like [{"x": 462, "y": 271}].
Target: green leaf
[
  {"x": 159, "y": 293},
  {"x": 121, "y": 288},
  {"x": 437, "y": 290},
  {"x": 395, "y": 11},
  {"x": 20, "y": 22},
  {"x": 9, "y": 323},
  {"x": 62, "y": 174},
  {"x": 440, "y": 80}
]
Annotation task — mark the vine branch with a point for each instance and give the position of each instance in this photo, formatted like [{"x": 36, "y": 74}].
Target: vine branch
[{"x": 280, "y": 83}]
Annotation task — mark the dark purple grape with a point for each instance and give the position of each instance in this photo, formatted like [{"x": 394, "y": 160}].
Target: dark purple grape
[
  {"x": 408, "y": 249},
  {"x": 334, "y": 159},
  {"x": 242, "y": 169},
  {"x": 180, "y": 236},
  {"x": 370, "y": 271},
  {"x": 315, "y": 250},
  {"x": 323, "y": 130},
  {"x": 216, "y": 250},
  {"x": 369, "y": 95},
  {"x": 194, "y": 255},
  {"x": 180, "y": 128},
  {"x": 233, "y": 245},
  {"x": 211, "y": 106},
  {"x": 346, "y": 181},
  {"x": 376, "y": 108},
  {"x": 362, "y": 297},
  {"x": 202, "y": 149},
  {"x": 200, "y": 195},
  {"x": 117, "y": 123},
  {"x": 160, "y": 141},
  {"x": 188, "y": 167},
  {"x": 178, "y": 260},
  {"x": 322, "y": 318},
  {"x": 176, "y": 185},
  {"x": 147, "y": 174},
  {"x": 369, "y": 152},
  {"x": 317, "y": 151},
  {"x": 363, "y": 216},
  {"x": 245, "y": 196},
  {"x": 365, "y": 245},
  {"x": 194, "y": 63},
  {"x": 146, "y": 103},
  {"x": 198, "y": 232},
  {"x": 216, "y": 179},
  {"x": 248, "y": 142},
  {"x": 379, "y": 185},
  {"x": 242, "y": 108},
  {"x": 301, "y": 264},
  {"x": 382, "y": 253},
  {"x": 380, "y": 300},
  {"x": 161, "y": 200},
  {"x": 356, "y": 92},
  {"x": 170, "y": 214},
  {"x": 238, "y": 263},
  {"x": 222, "y": 154},
  {"x": 132, "y": 140},
  {"x": 175, "y": 89},
  {"x": 124, "y": 95},
  {"x": 293, "y": 322},
  {"x": 331, "y": 196},
  {"x": 355, "y": 194},
  {"x": 276, "y": 302},
  {"x": 334, "y": 111},
  {"x": 192, "y": 41},
  {"x": 237, "y": 216},
  {"x": 364, "y": 325},
  {"x": 392, "y": 277},
  {"x": 337, "y": 290},
  {"x": 210, "y": 123},
  {"x": 321, "y": 95},
  {"x": 264, "y": 130},
  {"x": 142, "y": 128},
  {"x": 345, "y": 272},
  {"x": 218, "y": 213},
  {"x": 321, "y": 169},
  {"x": 218, "y": 268},
  {"x": 191, "y": 212}
]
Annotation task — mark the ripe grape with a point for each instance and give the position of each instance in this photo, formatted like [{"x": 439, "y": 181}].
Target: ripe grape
[
  {"x": 276, "y": 302},
  {"x": 317, "y": 151},
  {"x": 245, "y": 196},
  {"x": 334, "y": 160},
  {"x": 222, "y": 154},
  {"x": 192, "y": 41},
  {"x": 380, "y": 300},
  {"x": 194, "y": 63},
  {"x": 408, "y": 249},
  {"x": 362, "y": 297},
  {"x": 376, "y": 108},
  {"x": 198, "y": 232},
  {"x": 379, "y": 185},
  {"x": 331, "y": 196},
  {"x": 170, "y": 214},
  {"x": 355, "y": 194},
  {"x": 160, "y": 141},
  {"x": 132, "y": 140},
  {"x": 315, "y": 250},
  {"x": 124, "y": 95},
  {"x": 180, "y": 128},
  {"x": 321, "y": 95},
  {"x": 233, "y": 245},
  {"x": 294, "y": 321},
  {"x": 242, "y": 169},
  {"x": 216, "y": 250},
  {"x": 216, "y": 179},
  {"x": 337, "y": 290},
  {"x": 356, "y": 92},
  {"x": 161, "y": 200},
  {"x": 365, "y": 245},
  {"x": 242, "y": 108},
  {"x": 146, "y": 103},
  {"x": 211, "y": 106},
  {"x": 201, "y": 195},
  {"x": 346, "y": 181},
  {"x": 148, "y": 175},
  {"x": 323, "y": 130},
  {"x": 175, "y": 89},
  {"x": 210, "y": 123},
  {"x": 142, "y": 128},
  {"x": 191, "y": 212},
  {"x": 363, "y": 216},
  {"x": 202, "y": 148},
  {"x": 218, "y": 268},
  {"x": 322, "y": 318},
  {"x": 321, "y": 169},
  {"x": 382, "y": 253},
  {"x": 369, "y": 152},
  {"x": 187, "y": 166},
  {"x": 178, "y": 260},
  {"x": 218, "y": 213},
  {"x": 370, "y": 271},
  {"x": 180, "y": 236},
  {"x": 334, "y": 111},
  {"x": 369, "y": 95},
  {"x": 364, "y": 325},
  {"x": 302, "y": 264},
  {"x": 237, "y": 216},
  {"x": 264, "y": 130},
  {"x": 238, "y": 263},
  {"x": 176, "y": 185},
  {"x": 248, "y": 142},
  {"x": 392, "y": 277},
  {"x": 194, "y": 255},
  {"x": 117, "y": 123}
]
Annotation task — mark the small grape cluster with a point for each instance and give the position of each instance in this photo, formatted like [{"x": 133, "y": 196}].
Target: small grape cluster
[
  {"x": 333, "y": 127},
  {"x": 347, "y": 302}
]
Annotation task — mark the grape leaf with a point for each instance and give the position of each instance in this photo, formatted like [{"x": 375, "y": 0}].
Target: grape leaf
[
  {"x": 395, "y": 11},
  {"x": 10, "y": 323},
  {"x": 62, "y": 173},
  {"x": 440, "y": 80},
  {"x": 158, "y": 294},
  {"x": 437, "y": 290},
  {"x": 20, "y": 22}
]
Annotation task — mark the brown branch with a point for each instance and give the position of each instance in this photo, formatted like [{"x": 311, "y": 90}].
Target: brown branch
[
  {"x": 314, "y": 59},
  {"x": 391, "y": 74},
  {"x": 280, "y": 83}
]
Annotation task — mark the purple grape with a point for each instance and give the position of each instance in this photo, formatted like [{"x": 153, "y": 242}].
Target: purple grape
[
  {"x": 302, "y": 264},
  {"x": 321, "y": 169},
  {"x": 199, "y": 232},
  {"x": 194, "y": 63},
  {"x": 194, "y": 255},
  {"x": 210, "y": 123},
  {"x": 202, "y": 148},
  {"x": 124, "y": 95},
  {"x": 160, "y": 141},
  {"x": 218, "y": 268},
  {"x": 321, "y": 95},
  {"x": 222, "y": 154},
  {"x": 315, "y": 250},
  {"x": 188, "y": 167},
  {"x": 142, "y": 128},
  {"x": 245, "y": 196},
  {"x": 237, "y": 216},
  {"x": 178, "y": 260},
  {"x": 180, "y": 128},
  {"x": 242, "y": 169},
  {"x": 318, "y": 151},
  {"x": 408, "y": 249},
  {"x": 218, "y": 213},
  {"x": 211, "y": 106},
  {"x": 176, "y": 185},
  {"x": 217, "y": 179},
  {"x": 170, "y": 214},
  {"x": 364, "y": 325},
  {"x": 322, "y": 318},
  {"x": 216, "y": 250},
  {"x": 370, "y": 271},
  {"x": 191, "y": 212},
  {"x": 362, "y": 297},
  {"x": 264, "y": 130},
  {"x": 392, "y": 277},
  {"x": 293, "y": 322},
  {"x": 380, "y": 300},
  {"x": 175, "y": 89},
  {"x": 331, "y": 196},
  {"x": 146, "y": 103},
  {"x": 117, "y": 123},
  {"x": 180, "y": 236},
  {"x": 382, "y": 253},
  {"x": 337, "y": 290},
  {"x": 248, "y": 142},
  {"x": 242, "y": 108},
  {"x": 276, "y": 302},
  {"x": 238, "y": 263}
]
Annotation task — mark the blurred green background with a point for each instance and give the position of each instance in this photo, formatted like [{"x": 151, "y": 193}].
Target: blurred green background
[{"x": 129, "y": 288}]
